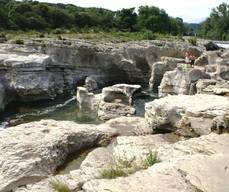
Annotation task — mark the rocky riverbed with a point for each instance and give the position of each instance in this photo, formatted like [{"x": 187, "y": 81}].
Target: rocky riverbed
[{"x": 178, "y": 143}]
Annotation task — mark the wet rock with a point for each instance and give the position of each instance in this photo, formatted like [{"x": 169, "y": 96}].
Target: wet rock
[
  {"x": 210, "y": 46},
  {"x": 31, "y": 152},
  {"x": 84, "y": 98},
  {"x": 187, "y": 115}
]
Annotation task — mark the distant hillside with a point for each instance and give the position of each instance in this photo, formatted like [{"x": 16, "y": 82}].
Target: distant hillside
[
  {"x": 194, "y": 26},
  {"x": 34, "y": 15}
]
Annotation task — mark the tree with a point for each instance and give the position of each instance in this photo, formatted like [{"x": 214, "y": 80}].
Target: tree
[
  {"x": 126, "y": 19},
  {"x": 216, "y": 25},
  {"x": 154, "y": 19}
]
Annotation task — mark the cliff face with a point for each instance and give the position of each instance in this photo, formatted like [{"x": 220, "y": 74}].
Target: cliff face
[{"x": 45, "y": 70}]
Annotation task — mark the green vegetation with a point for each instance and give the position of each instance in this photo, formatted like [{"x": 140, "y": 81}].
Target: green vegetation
[
  {"x": 124, "y": 167},
  {"x": 19, "y": 41},
  {"x": 30, "y": 15},
  {"x": 151, "y": 159},
  {"x": 59, "y": 186},
  {"x": 216, "y": 25},
  {"x": 113, "y": 173}
]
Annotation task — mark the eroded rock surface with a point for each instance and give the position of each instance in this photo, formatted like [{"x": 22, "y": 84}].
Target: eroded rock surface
[
  {"x": 213, "y": 87},
  {"x": 188, "y": 115},
  {"x": 159, "y": 68},
  {"x": 31, "y": 152},
  {"x": 199, "y": 164},
  {"x": 182, "y": 80},
  {"x": 48, "y": 69}
]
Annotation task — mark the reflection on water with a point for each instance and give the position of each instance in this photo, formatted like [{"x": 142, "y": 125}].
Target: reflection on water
[
  {"x": 18, "y": 113},
  {"x": 73, "y": 162}
]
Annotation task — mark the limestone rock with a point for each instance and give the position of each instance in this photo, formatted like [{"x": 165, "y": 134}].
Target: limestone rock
[
  {"x": 119, "y": 93},
  {"x": 84, "y": 98},
  {"x": 31, "y": 152},
  {"x": 198, "y": 164},
  {"x": 91, "y": 83},
  {"x": 189, "y": 115},
  {"x": 181, "y": 80},
  {"x": 50, "y": 68},
  {"x": 202, "y": 60},
  {"x": 129, "y": 126},
  {"x": 159, "y": 69},
  {"x": 109, "y": 111},
  {"x": 213, "y": 87}
]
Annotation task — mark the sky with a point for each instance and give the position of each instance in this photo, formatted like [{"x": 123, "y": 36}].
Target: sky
[{"x": 192, "y": 11}]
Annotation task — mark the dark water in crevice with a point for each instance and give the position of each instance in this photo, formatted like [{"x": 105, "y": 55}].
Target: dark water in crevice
[{"x": 68, "y": 109}]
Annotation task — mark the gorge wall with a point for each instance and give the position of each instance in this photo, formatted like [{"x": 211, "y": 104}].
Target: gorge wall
[{"x": 42, "y": 70}]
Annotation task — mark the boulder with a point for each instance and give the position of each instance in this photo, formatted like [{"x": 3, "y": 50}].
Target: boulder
[
  {"x": 202, "y": 60},
  {"x": 222, "y": 69},
  {"x": 210, "y": 46},
  {"x": 122, "y": 93},
  {"x": 129, "y": 126},
  {"x": 91, "y": 83},
  {"x": 213, "y": 87},
  {"x": 107, "y": 110},
  {"x": 31, "y": 152},
  {"x": 159, "y": 68},
  {"x": 84, "y": 98},
  {"x": 116, "y": 101},
  {"x": 182, "y": 80},
  {"x": 187, "y": 115}
]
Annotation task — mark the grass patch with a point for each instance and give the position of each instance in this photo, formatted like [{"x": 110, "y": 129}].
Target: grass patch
[
  {"x": 124, "y": 167},
  {"x": 106, "y": 36},
  {"x": 113, "y": 173},
  {"x": 151, "y": 159},
  {"x": 59, "y": 186}
]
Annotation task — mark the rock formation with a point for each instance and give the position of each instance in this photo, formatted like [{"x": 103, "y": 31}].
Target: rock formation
[
  {"x": 56, "y": 68},
  {"x": 159, "y": 68},
  {"x": 213, "y": 87},
  {"x": 188, "y": 115},
  {"x": 182, "y": 80},
  {"x": 31, "y": 152}
]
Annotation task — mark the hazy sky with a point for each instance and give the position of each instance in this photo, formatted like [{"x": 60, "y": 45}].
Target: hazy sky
[{"x": 189, "y": 10}]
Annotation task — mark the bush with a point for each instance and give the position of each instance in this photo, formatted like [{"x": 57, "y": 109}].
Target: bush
[
  {"x": 150, "y": 160},
  {"x": 59, "y": 186},
  {"x": 113, "y": 173},
  {"x": 19, "y": 41}
]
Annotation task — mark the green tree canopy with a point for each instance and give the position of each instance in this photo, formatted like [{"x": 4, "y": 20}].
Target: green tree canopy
[{"x": 217, "y": 25}]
